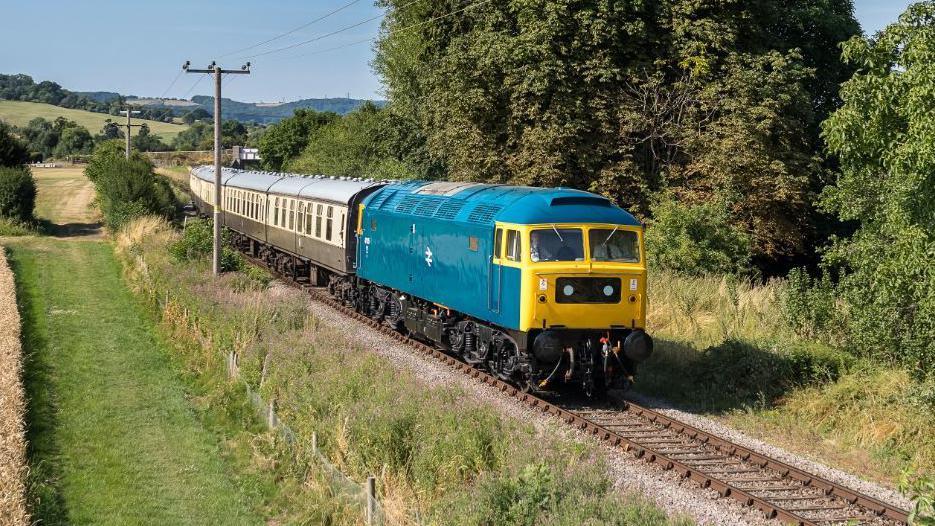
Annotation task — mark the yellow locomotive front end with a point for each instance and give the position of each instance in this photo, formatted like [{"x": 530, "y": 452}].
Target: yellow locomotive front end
[{"x": 583, "y": 302}]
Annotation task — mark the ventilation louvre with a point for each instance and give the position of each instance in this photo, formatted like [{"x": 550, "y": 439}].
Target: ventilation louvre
[
  {"x": 449, "y": 209},
  {"x": 483, "y": 213}
]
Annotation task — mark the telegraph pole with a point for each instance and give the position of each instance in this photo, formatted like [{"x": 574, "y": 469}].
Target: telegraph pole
[
  {"x": 218, "y": 72},
  {"x": 130, "y": 127}
]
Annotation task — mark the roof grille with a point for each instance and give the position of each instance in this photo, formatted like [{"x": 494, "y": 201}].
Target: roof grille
[
  {"x": 483, "y": 213},
  {"x": 427, "y": 206},
  {"x": 381, "y": 198},
  {"x": 407, "y": 205},
  {"x": 449, "y": 209}
]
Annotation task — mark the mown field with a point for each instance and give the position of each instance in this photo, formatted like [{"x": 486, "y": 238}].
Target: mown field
[{"x": 19, "y": 113}]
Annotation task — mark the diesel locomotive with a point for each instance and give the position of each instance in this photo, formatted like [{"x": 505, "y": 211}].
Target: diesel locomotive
[{"x": 542, "y": 287}]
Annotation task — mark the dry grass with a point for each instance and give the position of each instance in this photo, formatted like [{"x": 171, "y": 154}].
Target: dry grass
[{"x": 12, "y": 406}]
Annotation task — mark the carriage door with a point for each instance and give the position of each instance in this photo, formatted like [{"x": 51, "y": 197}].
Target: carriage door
[{"x": 495, "y": 273}]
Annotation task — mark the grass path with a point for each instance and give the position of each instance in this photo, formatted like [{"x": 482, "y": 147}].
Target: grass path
[
  {"x": 63, "y": 199},
  {"x": 113, "y": 437}
]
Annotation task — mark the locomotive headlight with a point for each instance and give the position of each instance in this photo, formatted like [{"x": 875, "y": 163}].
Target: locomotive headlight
[
  {"x": 608, "y": 290},
  {"x": 568, "y": 290}
]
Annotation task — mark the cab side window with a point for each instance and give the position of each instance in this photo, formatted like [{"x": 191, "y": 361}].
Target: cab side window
[
  {"x": 498, "y": 244},
  {"x": 514, "y": 248}
]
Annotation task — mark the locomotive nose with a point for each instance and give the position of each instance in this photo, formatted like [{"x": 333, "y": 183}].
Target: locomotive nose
[{"x": 638, "y": 346}]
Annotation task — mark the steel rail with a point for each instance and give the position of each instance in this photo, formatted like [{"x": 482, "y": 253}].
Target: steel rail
[{"x": 770, "y": 506}]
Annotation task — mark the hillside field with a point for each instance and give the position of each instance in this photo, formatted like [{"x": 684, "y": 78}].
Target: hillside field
[{"x": 20, "y": 113}]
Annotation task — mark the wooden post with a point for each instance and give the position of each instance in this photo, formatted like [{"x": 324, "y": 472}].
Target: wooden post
[
  {"x": 371, "y": 500},
  {"x": 271, "y": 415},
  {"x": 314, "y": 442}
]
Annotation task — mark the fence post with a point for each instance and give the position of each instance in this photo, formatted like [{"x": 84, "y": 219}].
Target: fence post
[
  {"x": 271, "y": 415},
  {"x": 314, "y": 442},
  {"x": 371, "y": 500}
]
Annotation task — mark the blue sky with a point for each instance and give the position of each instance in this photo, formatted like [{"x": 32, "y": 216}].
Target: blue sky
[{"x": 137, "y": 47}]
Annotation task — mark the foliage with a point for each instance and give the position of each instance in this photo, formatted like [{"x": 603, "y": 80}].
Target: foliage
[
  {"x": 17, "y": 193},
  {"x": 59, "y": 138},
  {"x": 696, "y": 239},
  {"x": 127, "y": 189},
  {"x": 12, "y": 150},
  {"x": 709, "y": 100},
  {"x": 882, "y": 136},
  {"x": 921, "y": 488},
  {"x": 145, "y": 141},
  {"x": 197, "y": 242},
  {"x": 287, "y": 139},
  {"x": 808, "y": 305},
  {"x": 200, "y": 136},
  {"x": 351, "y": 146},
  {"x": 198, "y": 114}
]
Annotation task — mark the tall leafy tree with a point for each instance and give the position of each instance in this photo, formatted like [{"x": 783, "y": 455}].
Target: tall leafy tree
[
  {"x": 709, "y": 99},
  {"x": 883, "y": 136}
]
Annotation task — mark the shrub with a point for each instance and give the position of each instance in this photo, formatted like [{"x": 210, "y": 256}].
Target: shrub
[
  {"x": 13, "y": 152},
  {"x": 17, "y": 193},
  {"x": 197, "y": 242},
  {"x": 128, "y": 188},
  {"x": 696, "y": 239},
  {"x": 808, "y": 305}
]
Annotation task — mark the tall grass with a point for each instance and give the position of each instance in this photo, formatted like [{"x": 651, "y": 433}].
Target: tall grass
[
  {"x": 726, "y": 345},
  {"x": 12, "y": 406},
  {"x": 439, "y": 456}
]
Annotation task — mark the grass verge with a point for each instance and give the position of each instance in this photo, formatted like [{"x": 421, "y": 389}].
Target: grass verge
[
  {"x": 723, "y": 348},
  {"x": 112, "y": 435},
  {"x": 439, "y": 455},
  {"x": 12, "y": 406}
]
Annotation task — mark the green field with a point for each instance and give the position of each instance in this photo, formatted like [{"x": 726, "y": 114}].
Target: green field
[
  {"x": 113, "y": 438},
  {"x": 20, "y": 113}
]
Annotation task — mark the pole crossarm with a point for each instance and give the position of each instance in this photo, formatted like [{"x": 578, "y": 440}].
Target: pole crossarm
[{"x": 218, "y": 72}]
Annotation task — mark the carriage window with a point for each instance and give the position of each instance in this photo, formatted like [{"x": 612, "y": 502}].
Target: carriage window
[
  {"x": 373, "y": 223},
  {"x": 329, "y": 224},
  {"x": 318, "y": 222},
  {"x": 341, "y": 234},
  {"x": 498, "y": 243},
  {"x": 291, "y": 214},
  {"x": 300, "y": 218},
  {"x": 513, "y": 246},
  {"x": 308, "y": 220},
  {"x": 276, "y": 213}
]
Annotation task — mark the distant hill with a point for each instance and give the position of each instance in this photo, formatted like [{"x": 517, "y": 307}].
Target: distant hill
[
  {"x": 19, "y": 113},
  {"x": 99, "y": 96},
  {"x": 259, "y": 112}
]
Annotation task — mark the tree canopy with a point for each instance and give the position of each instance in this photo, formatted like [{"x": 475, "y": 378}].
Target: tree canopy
[{"x": 706, "y": 100}]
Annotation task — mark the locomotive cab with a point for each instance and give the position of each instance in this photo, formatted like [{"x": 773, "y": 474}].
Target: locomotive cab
[{"x": 582, "y": 290}]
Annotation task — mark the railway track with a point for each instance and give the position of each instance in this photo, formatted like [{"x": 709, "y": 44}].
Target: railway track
[{"x": 779, "y": 490}]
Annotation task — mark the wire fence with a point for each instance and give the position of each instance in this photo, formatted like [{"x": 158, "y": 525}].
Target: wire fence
[{"x": 362, "y": 493}]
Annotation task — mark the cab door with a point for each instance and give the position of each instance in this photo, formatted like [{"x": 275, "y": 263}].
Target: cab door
[{"x": 495, "y": 273}]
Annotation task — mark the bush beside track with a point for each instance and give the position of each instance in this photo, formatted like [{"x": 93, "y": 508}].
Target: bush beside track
[{"x": 12, "y": 406}]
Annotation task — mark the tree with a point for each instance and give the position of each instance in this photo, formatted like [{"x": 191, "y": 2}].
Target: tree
[
  {"x": 73, "y": 140},
  {"x": 13, "y": 152},
  {"x": 351, "y": 146},
  {"x": 198, "y": 114},
  {"x": 145, "y": 141},
  {"x": 127, "y": 188},
  {"x": 17, "y": 193},
  {"x": 288, "y": 138},
  {"x": 111, "y": 130},
  {"x": 625, "y": 98},
  {"x": 883, "y": 138}
]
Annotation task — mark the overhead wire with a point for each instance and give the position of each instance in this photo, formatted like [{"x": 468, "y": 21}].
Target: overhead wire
[
  {"x": 291, "y": 31},
  {"x": 176, "y": 79},
  {"x": 198, "y": 81},
  {"x": 326, "y": 35},
  {"x": 398, "y": 31}
]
